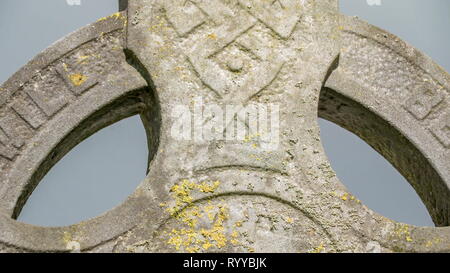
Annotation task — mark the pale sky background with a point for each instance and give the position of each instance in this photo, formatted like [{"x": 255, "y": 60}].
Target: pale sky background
[{"x": 102, "y": 171}]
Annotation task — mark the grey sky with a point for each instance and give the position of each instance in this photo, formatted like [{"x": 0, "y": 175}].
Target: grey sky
[{"x": 102, "y": 171}]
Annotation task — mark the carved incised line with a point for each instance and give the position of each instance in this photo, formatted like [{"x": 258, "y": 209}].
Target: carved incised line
[
  {"x": 49, "y": 91},
  {"x": 11, "y": 139},
  {"x": 76, "y": 82},
  {"x": 247, "y": 168},
  {"x": 183, "y": 15},
  {"x": 281, "y": 16},
  {"x": 235, "y": 82},
  {"x": 232, "y": 29},
  {"x": 8, "y": 148},
  {"x": 441, "y": 130}
]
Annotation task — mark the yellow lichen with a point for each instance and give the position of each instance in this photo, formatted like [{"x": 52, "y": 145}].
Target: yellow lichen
[
  {"x": 206, "y": 188},
  {"x": 432, "y": 242},
  {"x": 207, "y": 245},
  {"x": 250, "y": 138},
  {"x": 71, "y": 245},
  {"x": 78, "y": 79},
  {"x": 212, "y": 36},
  {"x": 346, "y": 197},
  {"x": 116, "y": 15},
  {"x": 289, "y": 220},
  {"x": 82, "y": 59},
  {"x": 402, "y": 231},
  {"x": 67, "y": 237},
  {"x": 318, "y": 249},
  {"x": 234, "y": 242},
  {"x": 193, "y": 237}
]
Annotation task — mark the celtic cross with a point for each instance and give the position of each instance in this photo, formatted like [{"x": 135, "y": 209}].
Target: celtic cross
[{"x": 301, "y": 56}]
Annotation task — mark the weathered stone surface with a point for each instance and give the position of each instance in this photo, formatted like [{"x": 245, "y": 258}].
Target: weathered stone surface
[
  {"x": 230, "y": 196},
  {"x": 408, "y": 94}
]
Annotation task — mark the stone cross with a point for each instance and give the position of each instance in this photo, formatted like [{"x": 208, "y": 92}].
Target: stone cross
[{"x": 230, "y": 180}]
